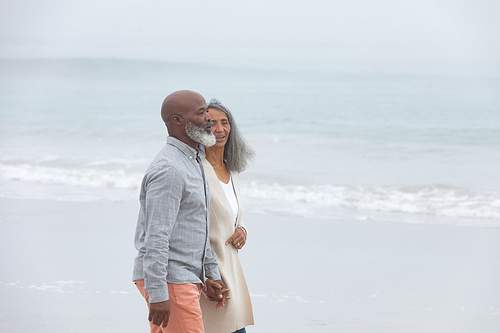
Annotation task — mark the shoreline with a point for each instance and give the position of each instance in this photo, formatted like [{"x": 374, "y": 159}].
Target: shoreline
[{"x": 69, "y": 260}]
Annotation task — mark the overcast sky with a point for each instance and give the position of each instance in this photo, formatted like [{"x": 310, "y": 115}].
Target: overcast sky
[{"x": 326, "y": 34}]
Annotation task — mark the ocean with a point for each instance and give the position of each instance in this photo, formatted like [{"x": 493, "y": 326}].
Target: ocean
[{"x": 402, "y": 148}]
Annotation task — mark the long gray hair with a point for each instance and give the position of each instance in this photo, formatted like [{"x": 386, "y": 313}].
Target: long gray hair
[{"x": 237, "y": 152}]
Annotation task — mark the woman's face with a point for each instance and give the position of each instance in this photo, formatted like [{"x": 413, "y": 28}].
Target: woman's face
[{"x": 220, "y": 127}]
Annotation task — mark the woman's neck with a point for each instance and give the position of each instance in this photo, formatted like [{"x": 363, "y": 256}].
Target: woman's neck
[{"x": 215, "y": 156}]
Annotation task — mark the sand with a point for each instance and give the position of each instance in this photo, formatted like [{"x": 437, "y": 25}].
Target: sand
[{"x": 66, "y": 267}]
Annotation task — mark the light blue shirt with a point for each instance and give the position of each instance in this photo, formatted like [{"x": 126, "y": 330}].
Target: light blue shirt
[{"x": 172, "y": 229}]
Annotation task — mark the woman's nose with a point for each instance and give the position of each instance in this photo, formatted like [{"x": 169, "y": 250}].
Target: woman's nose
[{"x": 216, "y": 128}]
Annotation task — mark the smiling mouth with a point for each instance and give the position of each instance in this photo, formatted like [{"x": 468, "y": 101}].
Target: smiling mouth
[{"x": 220, "y": 138}]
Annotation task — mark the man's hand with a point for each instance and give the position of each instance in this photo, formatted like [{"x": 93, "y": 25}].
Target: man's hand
[
  {"x": 238, "y": 239},
  {"x": 159, "y": 313},
  {"x": 217, "y": 292}
]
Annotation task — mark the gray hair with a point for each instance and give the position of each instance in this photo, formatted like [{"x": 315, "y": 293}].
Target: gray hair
[{"x": 237, "y": 152}]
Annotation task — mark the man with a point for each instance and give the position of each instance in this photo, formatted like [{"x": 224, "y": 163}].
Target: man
[{"x": 174, "y": 254}]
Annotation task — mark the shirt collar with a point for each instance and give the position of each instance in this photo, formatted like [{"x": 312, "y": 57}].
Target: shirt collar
[{"x": 186, "y": 149}]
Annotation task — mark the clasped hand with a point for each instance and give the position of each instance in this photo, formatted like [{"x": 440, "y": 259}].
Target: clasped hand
[{"x": 216, "y": 291}]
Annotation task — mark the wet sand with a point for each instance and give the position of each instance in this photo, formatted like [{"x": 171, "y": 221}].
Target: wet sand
[{"x": 66, "y": 266}]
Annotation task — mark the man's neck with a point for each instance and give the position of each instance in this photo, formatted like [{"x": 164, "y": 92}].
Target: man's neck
[{"x": 187, "y": 140}]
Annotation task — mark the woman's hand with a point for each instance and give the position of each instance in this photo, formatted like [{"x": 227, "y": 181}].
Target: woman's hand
[{"x": 238, "y": 239}]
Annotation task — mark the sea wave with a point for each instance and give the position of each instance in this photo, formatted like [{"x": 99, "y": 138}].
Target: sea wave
[
  {"x": 314, "y": 200},
  {"x": 82, "y": 177},
  {"x": 435, "y": 200}
]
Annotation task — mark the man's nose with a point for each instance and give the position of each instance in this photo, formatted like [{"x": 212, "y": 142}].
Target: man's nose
[{"x": 207, "y": 117}]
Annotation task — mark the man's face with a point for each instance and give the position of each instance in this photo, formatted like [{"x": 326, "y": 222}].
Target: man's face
[
  {"x": 199, "y": 124},
  {"x": 198, "y": 113}
]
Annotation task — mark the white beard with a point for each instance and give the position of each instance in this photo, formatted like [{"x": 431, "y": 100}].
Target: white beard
[{"x": 200, "y": 135}]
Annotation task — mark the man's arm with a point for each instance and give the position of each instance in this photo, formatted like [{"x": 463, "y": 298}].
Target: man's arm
[
  {"x": 216, "y": 289},
  {"x": 163, "y": 196},
  {"x": 211, "y": 266}
]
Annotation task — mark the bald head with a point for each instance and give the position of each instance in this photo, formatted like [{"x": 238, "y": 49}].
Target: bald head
[{"x": 180, "y": 103}]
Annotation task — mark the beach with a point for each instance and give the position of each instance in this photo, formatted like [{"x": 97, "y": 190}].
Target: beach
[
  {"x": 66, "y": 266},
  {"x": 372, "y": 203}
]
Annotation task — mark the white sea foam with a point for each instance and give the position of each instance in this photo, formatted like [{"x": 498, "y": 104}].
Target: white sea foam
[
  {"x": 67, "y": 287},
  {"x": 83, "y": 177},
  {"x": 432, "y": 200}
]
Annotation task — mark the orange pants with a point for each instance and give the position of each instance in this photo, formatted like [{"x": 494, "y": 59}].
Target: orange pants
[{"x": 185, "y": 312}]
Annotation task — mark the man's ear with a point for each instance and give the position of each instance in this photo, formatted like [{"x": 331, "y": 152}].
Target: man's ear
[{"x": 177, "y": 120}]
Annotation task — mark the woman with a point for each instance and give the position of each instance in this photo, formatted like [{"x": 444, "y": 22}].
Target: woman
[{"x": 228, "y": 234}]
